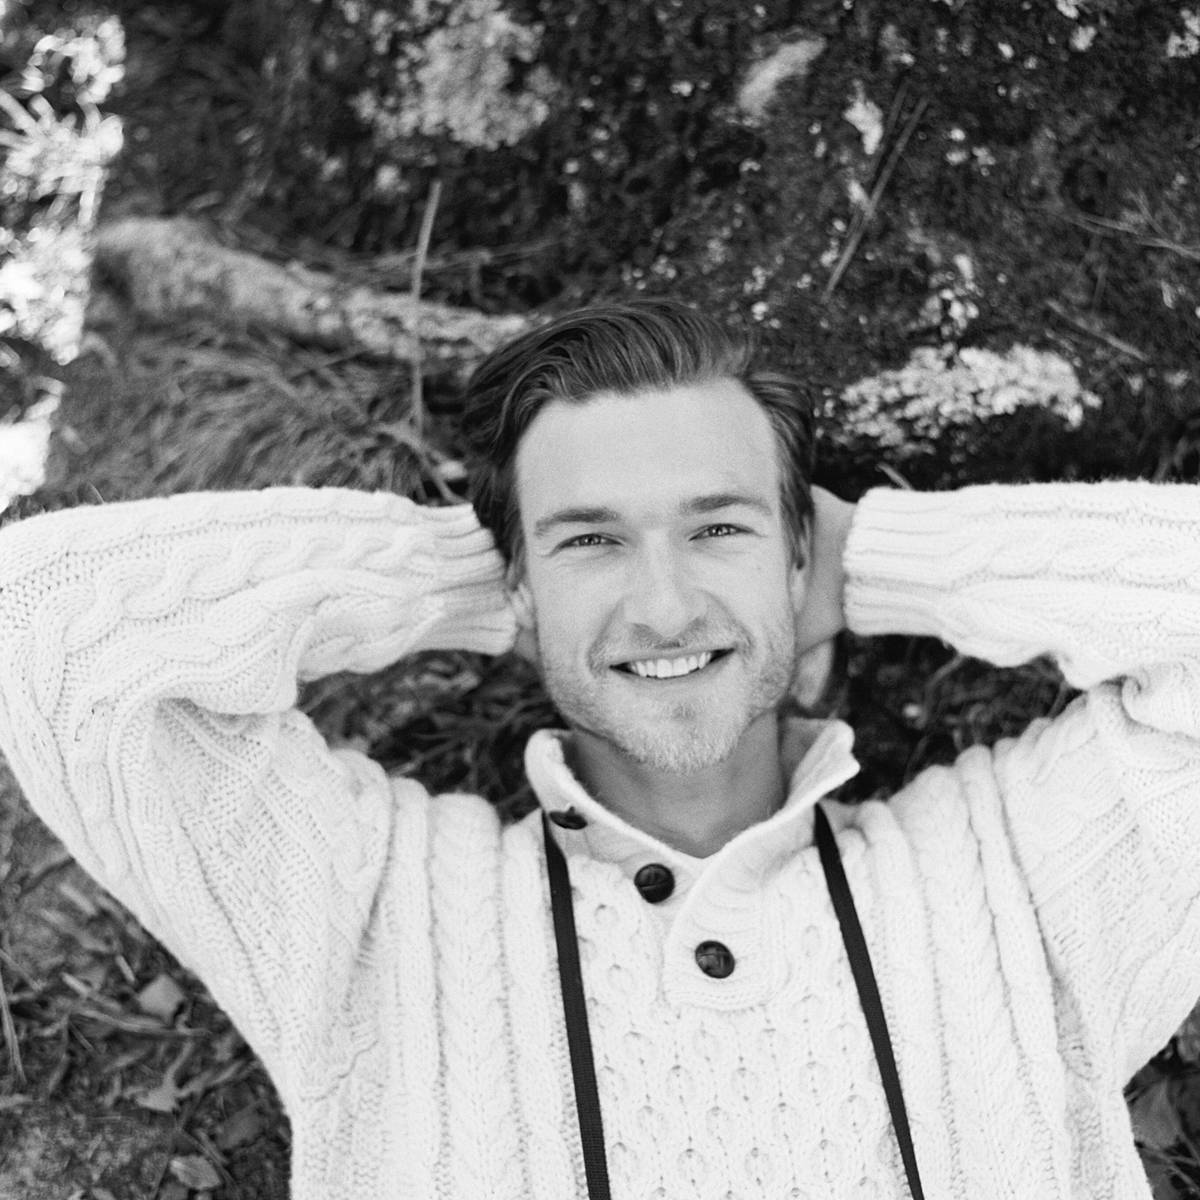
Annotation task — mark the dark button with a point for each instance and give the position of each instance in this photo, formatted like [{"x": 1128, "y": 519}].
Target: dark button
[
  {"x": 568, "y": 818},
  {"x": 655, "y": 882},
  {"x": 715, "y": 959}
]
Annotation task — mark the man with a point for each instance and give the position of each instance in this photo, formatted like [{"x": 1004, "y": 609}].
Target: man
[{"x": 1032, "y": 914}]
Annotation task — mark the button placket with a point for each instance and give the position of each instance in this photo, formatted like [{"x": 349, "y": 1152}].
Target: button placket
[{"x": 714, "y": 943}]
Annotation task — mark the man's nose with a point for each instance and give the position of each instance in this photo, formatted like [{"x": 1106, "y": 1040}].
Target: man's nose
[{"x": 661, "y": 595}]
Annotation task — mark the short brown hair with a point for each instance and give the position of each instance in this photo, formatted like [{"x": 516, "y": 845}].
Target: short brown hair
[{"x": 642, "y": 345}]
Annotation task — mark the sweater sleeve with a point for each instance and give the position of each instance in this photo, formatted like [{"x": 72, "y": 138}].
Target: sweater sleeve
[
  {"x": 1102, "y": 804},
  {"x": 150, "y": 656}
]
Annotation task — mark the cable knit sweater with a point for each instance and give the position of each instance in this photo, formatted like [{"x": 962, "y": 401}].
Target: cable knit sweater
[{"x": 1032, "y": 911}]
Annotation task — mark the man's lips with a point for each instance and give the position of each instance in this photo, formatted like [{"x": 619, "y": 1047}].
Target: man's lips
[{"x": 673, "y": 666}]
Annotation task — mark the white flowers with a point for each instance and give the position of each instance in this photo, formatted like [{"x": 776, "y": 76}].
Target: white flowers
[{"x": 937, "y": 391}]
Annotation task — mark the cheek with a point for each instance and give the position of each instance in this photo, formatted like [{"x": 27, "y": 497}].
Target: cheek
[
  {"x": 771, "y": 617},
  {"x": 759, "y": 590},
  {"x": 568, "y": 611}
]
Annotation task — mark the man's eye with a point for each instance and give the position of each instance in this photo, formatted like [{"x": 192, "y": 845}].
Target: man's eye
[
  {"x": 585, "y": 541},
  {"x": 720, "y": 530}
]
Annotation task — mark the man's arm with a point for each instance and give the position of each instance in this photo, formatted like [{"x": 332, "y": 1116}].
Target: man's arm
[
  {"x": 1102, "y": 805},
  {"x": 150, "y": 657}
]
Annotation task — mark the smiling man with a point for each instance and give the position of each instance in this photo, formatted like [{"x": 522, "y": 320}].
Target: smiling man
[
  {"x": 654, "y": 986},
  {"x": 662, "y": 585}
]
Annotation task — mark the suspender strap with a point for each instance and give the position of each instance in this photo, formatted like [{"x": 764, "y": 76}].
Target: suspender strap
[
  {"x": 868, "y": 992},
  {"x": 587, "y": 1099}
]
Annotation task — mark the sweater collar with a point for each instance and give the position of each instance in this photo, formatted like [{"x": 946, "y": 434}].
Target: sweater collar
[{"x": 817, "y": 757}]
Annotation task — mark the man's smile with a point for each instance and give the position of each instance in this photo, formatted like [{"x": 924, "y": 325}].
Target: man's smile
[{"x": 675, "y": 667}]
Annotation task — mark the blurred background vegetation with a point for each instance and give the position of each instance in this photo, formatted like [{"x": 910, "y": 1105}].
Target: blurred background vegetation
[{"x": 973, "y": 227}]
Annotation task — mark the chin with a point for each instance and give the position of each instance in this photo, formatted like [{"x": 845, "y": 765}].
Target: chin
[
  {"x": 676, "y": 751},
  {"x": 682, "y": 758}
]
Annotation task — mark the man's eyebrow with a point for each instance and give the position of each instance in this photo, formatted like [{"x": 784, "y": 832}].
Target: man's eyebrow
[
  {"x": 599, "y": 515},
  {"x": 575, "y": 516},
  {"x": 719, "y": 500}
]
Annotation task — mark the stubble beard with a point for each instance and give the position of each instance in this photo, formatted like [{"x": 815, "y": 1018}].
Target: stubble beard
[{"x": 688, "y": 735}]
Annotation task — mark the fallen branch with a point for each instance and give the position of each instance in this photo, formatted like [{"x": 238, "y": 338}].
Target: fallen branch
[
  {"x": 1104, "y": 227},
  {"x": 1094, "y": 331},
  {"x": 9, "y": 1029},
  {"x": 864, "y": 216},
  {"x": 173, "y": 270}
]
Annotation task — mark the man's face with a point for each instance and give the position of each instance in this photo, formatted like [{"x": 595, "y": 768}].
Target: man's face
[{"x": 658, "y": 577}]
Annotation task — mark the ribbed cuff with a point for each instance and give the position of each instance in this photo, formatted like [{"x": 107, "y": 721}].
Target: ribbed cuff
[
  {"x": 476, "y": 614},
  {"x": 905, "y": 549}
]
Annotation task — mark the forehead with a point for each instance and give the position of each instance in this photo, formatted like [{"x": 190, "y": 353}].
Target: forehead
[{"x": 647, "y": 451}]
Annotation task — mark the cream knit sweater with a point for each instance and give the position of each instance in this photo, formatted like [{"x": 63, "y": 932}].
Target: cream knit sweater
[{"x": 1032, "y": 911}]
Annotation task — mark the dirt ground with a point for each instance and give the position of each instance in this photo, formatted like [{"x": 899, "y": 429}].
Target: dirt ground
[{"x": 1035, "y": 182}]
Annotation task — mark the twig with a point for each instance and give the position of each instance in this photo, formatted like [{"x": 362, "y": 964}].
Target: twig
[
  {"x": 1107, "y": 338},
  {"x": 54, "y": 863},
  {"x": 402, "y": 260},
  {"x": 889, "y": 168},
  {"x": 894, "y": 475},
  {"x": 34, "y": 985},
  {"x": 418, "y": 399},
  {"x": 10, "y": 1036},
  {"x": 186, "y": 1113},
  {"x": 139, "y": 1026},
  {"x": 1105, "y": 227},
  {"x": 320, "y": 366}
]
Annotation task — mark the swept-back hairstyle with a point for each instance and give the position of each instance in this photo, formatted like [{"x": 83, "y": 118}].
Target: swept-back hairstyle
[{"x": 640, "y": 346}]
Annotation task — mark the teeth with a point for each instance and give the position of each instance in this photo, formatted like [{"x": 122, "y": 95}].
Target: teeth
[{"x": 669, "y": 668}]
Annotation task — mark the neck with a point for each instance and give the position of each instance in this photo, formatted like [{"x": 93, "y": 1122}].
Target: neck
[{"x": 696, "y": 812}]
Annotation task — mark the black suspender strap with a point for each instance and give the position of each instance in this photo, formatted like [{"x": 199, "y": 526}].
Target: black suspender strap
[
  {"x": 868, "y": 992},
  {"x": 587, "y": 1099}
]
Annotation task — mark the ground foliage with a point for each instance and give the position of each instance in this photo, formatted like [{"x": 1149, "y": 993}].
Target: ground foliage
[{"x": 1034, "y": 183}]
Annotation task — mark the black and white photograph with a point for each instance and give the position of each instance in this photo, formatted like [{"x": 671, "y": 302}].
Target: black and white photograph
[{"x": 599, "y": 600}]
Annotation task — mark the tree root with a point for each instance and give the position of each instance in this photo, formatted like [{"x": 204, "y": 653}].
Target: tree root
[{"x": 172, "y": 269}]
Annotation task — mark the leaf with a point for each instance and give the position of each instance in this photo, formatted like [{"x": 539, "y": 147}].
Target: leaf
[
  {"x": 164, "y": 1097},
  {"x": 195, "y": 1172},
  {"x": 161, "y": 998},
  {"x": 1187, "y": 1038},
  {"x": 227, "y": 1045},
  {"x": 1155, "y": 1116},
  {"x": 244, "y": 1126}
]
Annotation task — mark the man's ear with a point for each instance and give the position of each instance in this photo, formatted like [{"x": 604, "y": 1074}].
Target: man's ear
[
  {"x": 799, "y": 576},
  {"x": 521, "y": 600},
  {"x": 798, "y": 587}
]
